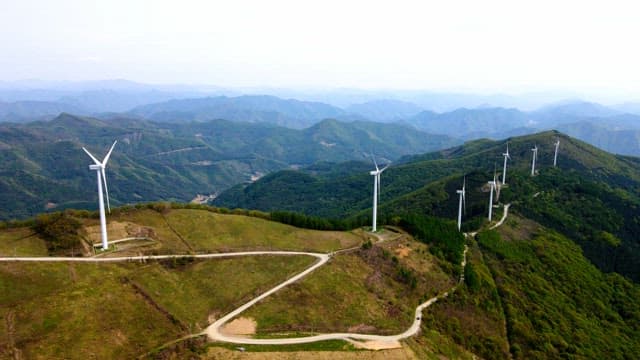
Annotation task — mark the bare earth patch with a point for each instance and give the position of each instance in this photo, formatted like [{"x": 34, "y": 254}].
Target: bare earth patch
[
  {"x": 362, "y": 329},
  {"x": 402, "y": 251},
  {"x": 240, "y": 326},
  {"x": 377, "y": 345}
]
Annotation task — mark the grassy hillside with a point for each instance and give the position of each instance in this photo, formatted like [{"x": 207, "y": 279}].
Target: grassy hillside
[
  {"x": 127, "y": 309},
  {"x": 123, "y": 310},
  {"x": 373, "y": 290}
]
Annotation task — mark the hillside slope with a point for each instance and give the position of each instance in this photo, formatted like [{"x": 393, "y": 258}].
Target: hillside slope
[
  {"x": 44, "y": 166},
  {"x": 591, "y": 194}
]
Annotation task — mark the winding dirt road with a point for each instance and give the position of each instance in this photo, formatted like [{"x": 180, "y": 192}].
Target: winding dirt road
[{"x": 213, "y": 330}]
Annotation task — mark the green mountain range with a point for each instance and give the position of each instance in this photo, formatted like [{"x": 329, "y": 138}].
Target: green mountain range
[
  {"x": 45, "y": 168},
  {"x": 592, "y": 197}
]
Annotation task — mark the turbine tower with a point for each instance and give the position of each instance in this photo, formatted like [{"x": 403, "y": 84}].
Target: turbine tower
[
  {"x": 376, "y": 192},
  {"x": 492, "y": 185},
  {"x": 533, "y": 162},
  {"x": 504, "y": 167},
  {"x": 99, "y": 168},
  {"x": 555, "y": 156},
  {"x": 461, "y": 202}
]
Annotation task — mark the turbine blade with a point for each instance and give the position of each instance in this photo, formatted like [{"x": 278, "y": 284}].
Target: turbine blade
[
  {"x": 106, "y": 158},
  {"x": 106, "y": 189},
  {"x": 379, "y": 188},
  {"x": 385, "y": 168},
  {"x": 374, "y": 161},
  {"x": 92, "y": 157}
]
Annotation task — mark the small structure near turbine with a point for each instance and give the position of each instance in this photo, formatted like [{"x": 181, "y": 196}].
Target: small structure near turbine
[
  {"x": 376, "y": 192},
  {"x": 533, "y": 161},
  {"x": 504, "y": 166},
  {"x": 102, "y": 177},
  {"x": 461, "y": 202},
  {"x": 492, "y": 188},
  {"x": 555, "y": 155}
]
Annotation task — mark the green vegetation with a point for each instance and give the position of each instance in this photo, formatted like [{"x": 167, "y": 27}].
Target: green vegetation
[
  {"x": 206, "y": 231},
  {"x": 124, "y": 310},
  {"x": 205, "y": 289},
  {"x": 60, "y": 232},
  {"x": 373, "y": 290},
  {"x": 21, "y": 241},
  {"x": 76, "y": 311},
  {"x": 473, "y": 315},
  {"x": 603, "y": 219},
  {"x": 557, "y": 304},
  {"x": 327, "y": 345},
  {"x": 173, "y": 161},
  {"x": 443, "y": 236}
]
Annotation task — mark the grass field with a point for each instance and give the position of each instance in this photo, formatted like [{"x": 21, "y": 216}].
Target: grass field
[
  {"x": 123, "y": 310},
  {"x": 364, "y": 290},
  {"x": 208, "y": 289},
  {"x": 207, "y": 231},
  {"x": 76, "y": 311},
  {"x": 187, "y": 231},
  {"x": 21, "y": 242}
]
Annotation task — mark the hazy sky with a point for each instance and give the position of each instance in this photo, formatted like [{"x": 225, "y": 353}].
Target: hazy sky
[{"x": 477, "y": 45}]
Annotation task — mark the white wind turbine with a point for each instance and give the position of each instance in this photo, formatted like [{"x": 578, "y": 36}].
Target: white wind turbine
[
  {"x": 99, "y": 168},
  {"x": 504, "y": 167},
  {"x": 492, "y": 185},
  {"x": 376, "y": 191},
  {"x": 498, "y": 184},
  {"x": 533, "y": 162},
  {"x": 461, "y": 202},
  {"x": 555, "y": 156}
]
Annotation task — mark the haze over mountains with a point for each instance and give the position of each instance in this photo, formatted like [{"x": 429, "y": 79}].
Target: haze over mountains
[{"x": 613, "y": 128}]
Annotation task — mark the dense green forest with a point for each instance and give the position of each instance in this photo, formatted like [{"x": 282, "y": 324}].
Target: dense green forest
[
  {"x": 44, "y": 167},
  {"x": 592, "y": 197}
]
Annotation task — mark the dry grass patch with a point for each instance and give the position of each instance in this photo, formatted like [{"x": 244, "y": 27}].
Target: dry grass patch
[
  {"x": 21, "y": 242},
  {"x": 207, "y": 231}
]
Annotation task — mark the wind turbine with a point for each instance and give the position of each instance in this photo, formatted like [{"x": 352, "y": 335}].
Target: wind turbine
[
  {"x": 555, "y": 156},
  {"x": 461, "y": 202},
  {"x": 376, "y": 191},
  {"x": 504, "y": 167},
  {"x": 492, "y": 185},
  {"x": 99, "y": 168},
  {"x": 498, "y": 185},
  {"x": 533, "y": 163}
]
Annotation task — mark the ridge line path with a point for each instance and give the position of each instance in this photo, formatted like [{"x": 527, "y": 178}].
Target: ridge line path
[{"x": 504, "y": 217}]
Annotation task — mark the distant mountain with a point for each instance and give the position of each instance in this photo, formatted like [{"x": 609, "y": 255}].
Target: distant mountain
[
  {"x": 23, "y": 111},
  {"x": 470, "y": 123},
  {"x": 385, "y": 110},
  {"x": 624, "y": 142},
  {"x": 99, "y": 101},
  {"x": 43, "y": 166},
  {"x": 628, "y": 107},
  {"x": 270, "y": 109},
  {"x": 577, "y": 108}
]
